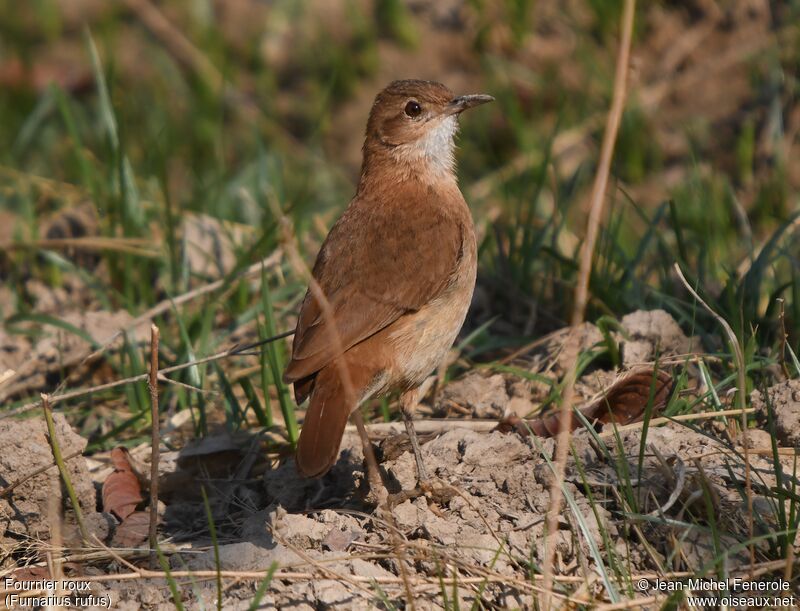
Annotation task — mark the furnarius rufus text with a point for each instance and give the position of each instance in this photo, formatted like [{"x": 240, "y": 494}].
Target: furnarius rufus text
[{"x": 394, "y": 278}]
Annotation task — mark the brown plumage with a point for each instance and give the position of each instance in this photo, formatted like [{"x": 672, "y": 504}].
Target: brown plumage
[{"x": 397, "y": 270}]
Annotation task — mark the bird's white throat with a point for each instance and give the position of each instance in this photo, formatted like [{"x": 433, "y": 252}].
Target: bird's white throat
[{"x": 435, "y": 151}]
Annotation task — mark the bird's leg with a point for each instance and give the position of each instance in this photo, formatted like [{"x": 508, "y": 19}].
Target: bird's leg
[
  {"x": 376, "y": 485},
  {"x": 434, "y": 489},
  {"x": 408, "y": 404}
]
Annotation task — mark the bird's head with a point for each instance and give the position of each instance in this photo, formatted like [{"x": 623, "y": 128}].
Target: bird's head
[{"x": 413, "y": 123}]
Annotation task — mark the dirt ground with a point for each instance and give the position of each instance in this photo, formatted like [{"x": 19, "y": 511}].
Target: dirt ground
[
  {"x": 483, "y": 522},
  {"x": 337, "y": 550}
]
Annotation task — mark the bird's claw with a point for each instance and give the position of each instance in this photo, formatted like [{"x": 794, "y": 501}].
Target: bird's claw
[{"x": 433, "y": 489}]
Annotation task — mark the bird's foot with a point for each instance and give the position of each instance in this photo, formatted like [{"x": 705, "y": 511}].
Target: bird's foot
[
  {"x": 433, "y": 489},
  {"x": 377, "y": 494}
]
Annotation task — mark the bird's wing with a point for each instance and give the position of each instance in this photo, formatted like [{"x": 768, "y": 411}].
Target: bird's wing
[{"x": 377, "y": 264}]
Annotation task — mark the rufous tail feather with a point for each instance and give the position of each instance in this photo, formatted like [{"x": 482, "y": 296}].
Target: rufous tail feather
[{"x": 323, "y": 427}]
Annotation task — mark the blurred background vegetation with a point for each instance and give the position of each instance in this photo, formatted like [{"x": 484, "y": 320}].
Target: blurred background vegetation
[{"x": 149, "y": 148}]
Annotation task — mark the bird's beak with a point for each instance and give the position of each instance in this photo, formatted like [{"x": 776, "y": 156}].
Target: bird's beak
[{"x": 463, "y": 102}]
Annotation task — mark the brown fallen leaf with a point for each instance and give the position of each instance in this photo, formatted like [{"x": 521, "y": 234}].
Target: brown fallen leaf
[
  {"x": 133, "y": 531},
  {"x": 121, "y": 490},
  {"x": 624, "y": 402}
]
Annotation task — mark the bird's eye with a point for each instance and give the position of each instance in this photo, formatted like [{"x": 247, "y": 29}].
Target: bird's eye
[{"x": 413, "y": 109}]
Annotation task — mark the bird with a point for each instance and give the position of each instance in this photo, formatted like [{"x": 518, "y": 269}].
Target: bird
[{"x": 393, "y": 280}]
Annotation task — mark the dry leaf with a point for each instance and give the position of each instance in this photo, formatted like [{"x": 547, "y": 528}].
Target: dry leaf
[
  {"x": 624, "y": 402},
  {"x": 121, "y": 490},
  {"x": 133, "y": 531}
]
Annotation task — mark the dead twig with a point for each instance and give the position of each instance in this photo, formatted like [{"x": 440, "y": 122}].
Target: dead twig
[
  {"x": 148, "y": 316},
  {"x": 375, "y": 484},
  {"x": 634, "y": 603},
  {"x": 155, "y": 440},
  {"x": 169, "y": 303},
  {"x": 582, "y": 287},
  {"x": 131, "y": 246},
  {"x": 115, "y": 555},
  {"x": 679, "y": 418},
  {"x": 679, "y": 483},
  {"x": 234, "y": 351},
  {"x": 330, "y": 573},
  {"x": 288, "y": 239},
  {"x": 173, "y": 302},
  {"x": 302, "y": 270},
  {"x": 650, "y": 98},
  {"x": 176, "y": 42},
  {"x": 284, "y": 576},
  {"x": 433, "y": 425},
  {"x": 197, "y": 63}
]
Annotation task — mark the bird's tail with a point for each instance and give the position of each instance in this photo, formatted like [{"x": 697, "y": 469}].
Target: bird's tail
[{"x": 323, "y": 427}]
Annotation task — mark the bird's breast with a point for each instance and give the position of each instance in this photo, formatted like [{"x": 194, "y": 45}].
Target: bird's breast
[{"x": 420, "y": 340}]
